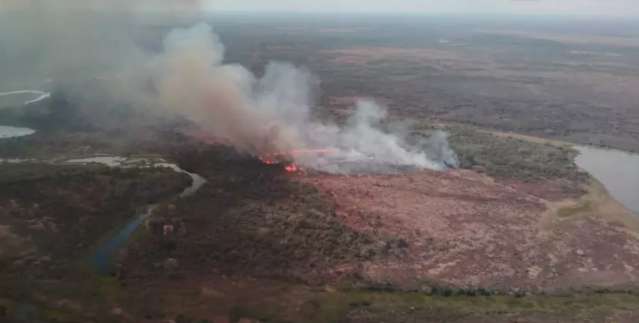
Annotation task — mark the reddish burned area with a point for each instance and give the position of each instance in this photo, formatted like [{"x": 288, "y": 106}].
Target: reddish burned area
[
  {"x": 464, "y": 229},
  {"x": 406, "y": 230},
  {"x": 286, "y": 159},
  {"x": 280, "y": 161},
  {"x": 251, "y": 218}
]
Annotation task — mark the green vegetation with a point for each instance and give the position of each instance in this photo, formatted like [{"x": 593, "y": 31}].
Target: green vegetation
[
  {"x": 505, "y": 157},
  {"x": 42, "y": 200},
  {"x": 583, "y": 206},
  {"x": 57, "y": 213}
]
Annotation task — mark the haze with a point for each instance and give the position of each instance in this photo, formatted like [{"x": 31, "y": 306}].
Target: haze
[{"x": 528, "y": 7}]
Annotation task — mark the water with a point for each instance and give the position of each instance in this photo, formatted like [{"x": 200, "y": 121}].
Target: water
[
  {"x": 103, "y": 258},
  {"x": 11, "y": 132},
  {"x": 197, "y": 180},
  {"x": 110, "y": 161},
  {"x": 617, "y": 170},
  {"x": 117, "y": 161},
  {"x": 34, "y": 95}
]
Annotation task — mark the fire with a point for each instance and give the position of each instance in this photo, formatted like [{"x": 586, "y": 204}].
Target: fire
[
  {"x": 268, "y": 160},
  {"x": 291, "y": 168},
  {"x": 274, "y": 158},
  {"x": 285, "y": 157},
  {"x": 279, "y": 159}
]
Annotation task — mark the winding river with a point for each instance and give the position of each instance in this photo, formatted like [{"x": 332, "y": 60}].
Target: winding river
[
  {"x": 617, "y": 170},
  {"x": 37, "y": 95},
  {"x": 103, "y": 258}
]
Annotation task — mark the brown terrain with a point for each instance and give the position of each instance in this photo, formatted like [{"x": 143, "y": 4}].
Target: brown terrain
[
  {"x": 256, "y": 229},
  {"x": 468, "y": 230}
]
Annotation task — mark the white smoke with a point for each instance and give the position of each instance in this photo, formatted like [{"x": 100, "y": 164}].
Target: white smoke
[{"x": 272, "y": 114}]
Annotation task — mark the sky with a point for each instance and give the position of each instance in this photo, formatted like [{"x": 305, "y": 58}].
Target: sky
[
  {"x": 620, "y": 8},
  {"x": 615, "y": 8}
]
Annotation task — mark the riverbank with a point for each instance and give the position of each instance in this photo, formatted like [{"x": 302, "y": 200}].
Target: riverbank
[
  {"x": 616, "y": 170},
  {"x": 105, "y": 256},
  {"x": 53, "y": 215},
  {"x": 107, "y": 251}
]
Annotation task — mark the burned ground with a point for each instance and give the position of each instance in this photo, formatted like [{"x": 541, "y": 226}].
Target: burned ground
[
  {"x": 263, "y": 243},
  {"x": 255, "y": 229},
  {"x": 497, "y": 230},
  {"x": 255, "y": 219},
  {"x": 466, "y": 230}
]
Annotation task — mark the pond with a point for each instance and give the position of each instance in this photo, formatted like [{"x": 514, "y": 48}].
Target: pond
[
  {"x": 11, "y": 132},
  {"x": 24, "y": 97},
  {"x": 617, "y": 170}
]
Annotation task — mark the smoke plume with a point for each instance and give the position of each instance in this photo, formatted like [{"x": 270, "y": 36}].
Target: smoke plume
[
  {"x": 265, "y": 115},
  {"x": 272, "y": 114}
]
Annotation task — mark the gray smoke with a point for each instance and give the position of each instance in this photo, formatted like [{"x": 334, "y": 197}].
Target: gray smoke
[
  {"x": 267, "y": 115},
  {"x": 272, "y": 114}
]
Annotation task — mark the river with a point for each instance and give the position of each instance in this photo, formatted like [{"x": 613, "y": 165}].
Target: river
[
  {"x": 104, "y": 257},
  {"x": 36, "y": 95},
  {"x": 617, "y": 170}
]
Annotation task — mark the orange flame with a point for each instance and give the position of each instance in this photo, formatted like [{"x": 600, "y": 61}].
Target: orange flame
[
  {"x": 291, "y": 168},
  {"x": 278, "y": 157},
  {"x": 267, "y": 160},
  {"x": 281, "y": 158}
]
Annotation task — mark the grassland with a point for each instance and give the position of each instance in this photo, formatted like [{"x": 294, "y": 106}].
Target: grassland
[
  {"x": 51, "y": 217},
  {"x": 564, "y": 80},
  {"x": 513, "y": 158}
]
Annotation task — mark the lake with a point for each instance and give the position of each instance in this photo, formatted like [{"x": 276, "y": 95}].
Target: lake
[
  {"x": 10, "y": 132},
  {"x": 617, "y": 170}
]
